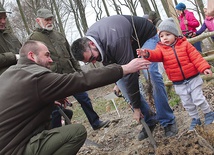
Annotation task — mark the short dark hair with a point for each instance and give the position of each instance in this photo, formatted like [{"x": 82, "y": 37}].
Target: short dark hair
[
  {"x": 78, "y": 47},
  {"x": 30, "y": 45}
]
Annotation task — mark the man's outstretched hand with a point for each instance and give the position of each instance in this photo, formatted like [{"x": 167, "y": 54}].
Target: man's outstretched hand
[{"x": 135, "y": 65}]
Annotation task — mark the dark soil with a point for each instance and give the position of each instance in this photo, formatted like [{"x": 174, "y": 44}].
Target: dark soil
[{"x": 120, "y": 137}]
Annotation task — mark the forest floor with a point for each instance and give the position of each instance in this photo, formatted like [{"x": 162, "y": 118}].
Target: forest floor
[{"x": 120, "y": 137}]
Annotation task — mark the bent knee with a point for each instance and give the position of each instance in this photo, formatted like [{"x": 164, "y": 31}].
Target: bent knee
[{"x": 80, "y": 130}]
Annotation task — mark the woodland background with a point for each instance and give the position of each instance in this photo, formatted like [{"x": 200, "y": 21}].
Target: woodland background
[{"x": 73, "y": 17}]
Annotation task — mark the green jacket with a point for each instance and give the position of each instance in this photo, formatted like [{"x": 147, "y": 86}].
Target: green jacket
[
  {"x": 9, "y": 46},
  {"x": 63, "y": 60},
  {"x": 25, "y": 110}
]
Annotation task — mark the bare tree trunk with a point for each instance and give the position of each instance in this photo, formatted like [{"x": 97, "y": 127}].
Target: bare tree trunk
[
  {"x": 32, "y": 5},
  {"x": 81, "y": 11},
  {"x": 131, "y": 5},
  {"x": 173, "y": 14},
  {"x": 23, "y": 17},
  {"x": 155, "y": 7},
  {"x": 96, "y": 5},
  {"x": 200, "y": 4},
  {"x": 117, "y": 7},
  {"x": 145, "y": 6},
  {"x": 176, "y": 2},
  {"x": 166, "y": 7},
  {"x": 106, "y": 8},
  {"x": 75, "y": 13},
  {"x": 59, "y": 18}
]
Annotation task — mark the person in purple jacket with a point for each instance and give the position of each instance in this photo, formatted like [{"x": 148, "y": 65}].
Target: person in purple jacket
[
  {"x": 208, "y": 24},
  {"x": 115, "y": 39}
]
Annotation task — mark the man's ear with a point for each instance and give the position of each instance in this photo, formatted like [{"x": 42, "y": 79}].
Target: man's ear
[
  {"x": 91, "y": 43},
  {"x": 31, "y": 56},
  {"x": 37, "y": 20}
]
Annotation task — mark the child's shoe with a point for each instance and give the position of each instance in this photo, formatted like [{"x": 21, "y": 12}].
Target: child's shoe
[
  {"x": 194, "y": 123},
  {"x": 209, "y": 118}
]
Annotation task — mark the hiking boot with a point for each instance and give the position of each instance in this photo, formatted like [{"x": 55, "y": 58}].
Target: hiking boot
[
  {"x": 194, "y": 123},
  {"x": 143, "y": 135},
  {"x": 102, "y": 124},
  {"x": 171, "y": 130},
  {"x": 209, "y": 118}
]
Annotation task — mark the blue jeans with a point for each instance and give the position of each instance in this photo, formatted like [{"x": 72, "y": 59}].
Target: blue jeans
[
  {"x": 164, "y": 113},
  {"x": 197, "y": 45},
  {"x": 149, "y": 118},
  {"x": 86, "y": 105},
  {"x": 56, "y": 116}
]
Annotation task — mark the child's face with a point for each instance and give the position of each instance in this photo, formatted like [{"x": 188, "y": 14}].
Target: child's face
[{"x": 167, "y": 38}]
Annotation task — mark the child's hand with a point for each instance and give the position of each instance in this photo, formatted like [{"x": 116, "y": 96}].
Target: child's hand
[
  {"x": 142, "y": 52},
  {"x": 208, "y": 72}
]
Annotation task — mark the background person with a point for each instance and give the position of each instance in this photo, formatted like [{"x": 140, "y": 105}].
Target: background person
[
  {"x": 9, "y": 44},
  {"x": 25, "y": 111},
  {"x": 208, "y": 24},
  {"x": 188, "y": 23},
  {"x": 63, "y": 62},
  {"x": 183, "y": 64}
]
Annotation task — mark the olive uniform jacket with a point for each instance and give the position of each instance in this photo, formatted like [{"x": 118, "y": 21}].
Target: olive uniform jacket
[
  {"x": 63, "y": 60},
  {"x": 9, "y": 46},
  {"x": 26, "y": 109}
]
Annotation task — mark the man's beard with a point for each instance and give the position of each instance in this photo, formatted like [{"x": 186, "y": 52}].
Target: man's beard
[
  {"x": 48, "y": 27},
  {"x": 43, "y": 63}
]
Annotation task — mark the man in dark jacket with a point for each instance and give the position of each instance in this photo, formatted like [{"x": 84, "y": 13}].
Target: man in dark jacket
[
  {"x": 115, "y": 39},
  {"x": 9, "y": 44},
  {"x": 27, "y": 97},
  {"x": 63, "y": 62}
]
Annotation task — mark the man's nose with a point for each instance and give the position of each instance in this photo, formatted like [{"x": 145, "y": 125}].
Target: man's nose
[
  {"x": 50, "y": 60},
  {"x": 3, "y": 20}
]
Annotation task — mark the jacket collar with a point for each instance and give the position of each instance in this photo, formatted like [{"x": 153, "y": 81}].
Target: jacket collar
[
  {"x": 25, "y": 61},
  {"x": 6, "y": 30}
]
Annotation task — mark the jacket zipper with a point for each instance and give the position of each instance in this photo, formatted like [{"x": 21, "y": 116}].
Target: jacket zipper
[{"x": 176, "y": 56}]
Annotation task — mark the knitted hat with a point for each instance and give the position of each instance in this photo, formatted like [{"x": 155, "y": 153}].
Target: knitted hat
[
  {"x": 169, "y": 26},
  {"x": 180, "y": 6},
  {"x": 44, "y": 13}
]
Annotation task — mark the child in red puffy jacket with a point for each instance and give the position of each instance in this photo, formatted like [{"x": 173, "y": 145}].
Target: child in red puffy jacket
[{"x": 183, "y": 64}]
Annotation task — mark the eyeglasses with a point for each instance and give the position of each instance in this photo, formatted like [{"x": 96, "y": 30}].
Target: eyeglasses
[{"x": 92, "y": 57}]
